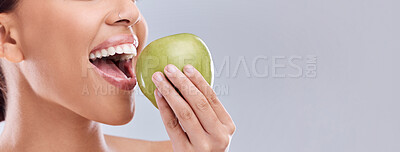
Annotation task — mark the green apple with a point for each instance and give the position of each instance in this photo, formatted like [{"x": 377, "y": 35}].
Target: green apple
[{"x": 179, "y": 50}]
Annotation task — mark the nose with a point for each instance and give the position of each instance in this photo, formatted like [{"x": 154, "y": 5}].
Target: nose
[{"x": 126, "y": 14}]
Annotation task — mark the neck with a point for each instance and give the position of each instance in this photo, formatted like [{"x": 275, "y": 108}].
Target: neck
[{"x": 35, "y": 124}]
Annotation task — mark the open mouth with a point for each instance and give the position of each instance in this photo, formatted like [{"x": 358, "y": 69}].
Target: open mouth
[{"x": 114, "y": 64}]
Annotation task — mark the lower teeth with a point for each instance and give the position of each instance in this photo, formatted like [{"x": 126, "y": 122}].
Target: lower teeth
[
  {"x": 117, "y": 61},
  {"x": 116, "y": 57}
]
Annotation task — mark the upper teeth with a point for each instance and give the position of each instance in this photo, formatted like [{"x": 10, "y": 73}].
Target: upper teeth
[{"x": 128, "y": 51}]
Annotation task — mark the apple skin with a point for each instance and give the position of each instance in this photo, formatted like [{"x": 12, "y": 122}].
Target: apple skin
[{"x": 179, "y": 50}]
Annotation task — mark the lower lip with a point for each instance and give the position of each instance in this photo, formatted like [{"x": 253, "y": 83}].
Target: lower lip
[{"x": 121, "y": 83}]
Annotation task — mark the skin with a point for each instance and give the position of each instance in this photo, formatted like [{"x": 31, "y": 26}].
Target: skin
[
  {"x": 56, "y": 100},
  {"x": 208, "y": 125}
]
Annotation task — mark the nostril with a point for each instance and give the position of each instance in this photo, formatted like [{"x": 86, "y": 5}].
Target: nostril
[{"x": 123, "y": 20}]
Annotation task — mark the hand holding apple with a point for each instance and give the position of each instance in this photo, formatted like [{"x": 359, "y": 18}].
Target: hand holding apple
[
  {"x": 196, "y": 121},
  {"x": 193, "y": 116}
]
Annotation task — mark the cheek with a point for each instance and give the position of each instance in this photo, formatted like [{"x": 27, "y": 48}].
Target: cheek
[
  {"x": 55, "y": 44},
  {"x": 55, "y": 62}
]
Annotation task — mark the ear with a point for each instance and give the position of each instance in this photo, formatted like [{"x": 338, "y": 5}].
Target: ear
[{"x": 8, "y": 46}]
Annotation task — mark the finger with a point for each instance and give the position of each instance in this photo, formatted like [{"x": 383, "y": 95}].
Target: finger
[
  {"x": 180, "y": 108},
  {"x": 174, "y": 130},
  {"x": 199, "y": 81},
  {"x": 195, "y": 98}
]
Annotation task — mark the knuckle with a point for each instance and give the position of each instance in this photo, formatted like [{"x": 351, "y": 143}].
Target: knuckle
[
  {"x": 181, "y": 82},
  {"x": 172, "y": 123},
  {"x": 222, "y": 142},
  {"x": 184, "y": 81},
  {"x": 165, "y": 90},
  {"x": 207, "y": 88},
  {"x": 198, "y": 76},
  {"x": 192, "y": 91},
  {"x": 186, "y": 114},
  {"x": 202, "y": 105},
  {"x": 213, "y": 99},
  {"x": 232, "y": 128}
]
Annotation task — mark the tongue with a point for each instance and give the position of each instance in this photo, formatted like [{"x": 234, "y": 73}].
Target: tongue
[
  {"x": 125, "y": 67},
  {"x": 108, "y": 67}
]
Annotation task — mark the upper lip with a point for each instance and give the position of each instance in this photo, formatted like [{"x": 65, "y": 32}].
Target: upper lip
[{"x": 117, "y": 40}]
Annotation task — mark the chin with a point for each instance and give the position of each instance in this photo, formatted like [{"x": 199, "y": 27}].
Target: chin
[
  {"x": 120, "y": 112},
  {"x": 117, "y": 118}
]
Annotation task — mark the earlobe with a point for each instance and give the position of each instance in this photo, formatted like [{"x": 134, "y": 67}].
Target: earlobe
[{"x": 12, "y": 53}]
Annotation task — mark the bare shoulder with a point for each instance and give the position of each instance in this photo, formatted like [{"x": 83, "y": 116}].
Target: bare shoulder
[{"x": 122, "y": 144}]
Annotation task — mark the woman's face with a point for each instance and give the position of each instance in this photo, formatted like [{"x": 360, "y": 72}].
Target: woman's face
[{"x": 56, "y": 38}]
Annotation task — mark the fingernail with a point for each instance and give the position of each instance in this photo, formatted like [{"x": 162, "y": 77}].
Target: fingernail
[
  {"x": 189, "y": 69},
  {"x": 158, "y": 93},
  {"x": 171, "y": 68},
  {"x": 158, "y": 77}
]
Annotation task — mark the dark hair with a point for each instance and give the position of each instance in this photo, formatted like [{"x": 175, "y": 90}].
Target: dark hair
[{"x": 5, "y": 7}]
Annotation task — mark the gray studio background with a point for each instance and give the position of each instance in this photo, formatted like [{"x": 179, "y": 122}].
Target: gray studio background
[{"x": 265, "y": 54}]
